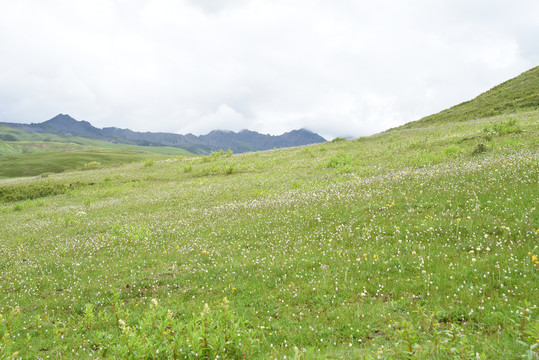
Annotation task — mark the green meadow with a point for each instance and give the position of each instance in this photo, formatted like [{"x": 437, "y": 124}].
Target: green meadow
[{"x": 419, "y": 242}]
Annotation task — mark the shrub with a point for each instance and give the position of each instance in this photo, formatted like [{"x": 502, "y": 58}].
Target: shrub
[
  {"x": 480, "y": 148},
  {"x": 149, "y": 162},
  {"x": 229, "y": 169},
  {"x": 18, "y": 207}
]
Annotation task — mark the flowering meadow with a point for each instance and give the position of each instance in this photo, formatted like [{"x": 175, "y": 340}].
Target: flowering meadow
[{"x": 413, "y": 243}]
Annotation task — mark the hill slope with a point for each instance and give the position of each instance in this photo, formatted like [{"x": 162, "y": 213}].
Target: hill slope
[{"x": 518, "y": 94}]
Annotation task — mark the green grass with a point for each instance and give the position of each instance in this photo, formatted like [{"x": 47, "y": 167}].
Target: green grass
[
  {"x": 515, "y": 95},
  {"x": 56, "y": 162},
  {"x": 407, "y": 244}
]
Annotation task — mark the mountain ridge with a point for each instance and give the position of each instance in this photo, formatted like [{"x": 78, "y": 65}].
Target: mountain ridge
[{"x": 239, "y": 142}]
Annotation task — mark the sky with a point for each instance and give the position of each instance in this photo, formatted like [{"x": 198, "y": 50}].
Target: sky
[{"x": 336, "y": 67}]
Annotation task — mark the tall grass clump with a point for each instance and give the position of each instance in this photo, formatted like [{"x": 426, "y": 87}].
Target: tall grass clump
[{"x": 159, "y": 333}]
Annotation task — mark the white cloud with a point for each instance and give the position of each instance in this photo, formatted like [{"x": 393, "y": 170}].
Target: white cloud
[{"x": 345, "y": 68}]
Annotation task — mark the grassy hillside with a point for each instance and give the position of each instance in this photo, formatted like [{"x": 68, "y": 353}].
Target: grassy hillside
[
  {"x": 414, "y": 243},
  {"x": 518, "y": 94}
]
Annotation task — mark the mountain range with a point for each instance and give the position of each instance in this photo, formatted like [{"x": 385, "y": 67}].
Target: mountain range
[{"x": 238, "y": 142}]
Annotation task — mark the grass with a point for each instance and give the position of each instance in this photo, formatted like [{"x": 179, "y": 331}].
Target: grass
[
  {"x": 44, "y": 163},
  {"x": 406, "y": 244}
]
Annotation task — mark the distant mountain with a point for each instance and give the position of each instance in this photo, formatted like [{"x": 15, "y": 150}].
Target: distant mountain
[{"x": 244, "y": 141}]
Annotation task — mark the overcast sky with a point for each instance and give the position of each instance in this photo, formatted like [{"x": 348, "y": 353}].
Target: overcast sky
[{"x": 336, "y": 67}]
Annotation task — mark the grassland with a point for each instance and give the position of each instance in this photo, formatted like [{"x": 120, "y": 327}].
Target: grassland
[
  {"x": 419, "y": 242},
  {"x": 30, "y": 154}
]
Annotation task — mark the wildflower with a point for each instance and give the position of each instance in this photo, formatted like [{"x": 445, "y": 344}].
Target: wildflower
[
  {"x": 154, "y": 303},
  {"x": 17, "y": 310},
  {"x": 206, "y": 310},
  {"x": 122, "y": 325}
]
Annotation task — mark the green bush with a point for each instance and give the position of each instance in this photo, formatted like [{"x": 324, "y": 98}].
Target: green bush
[
  {"x": 149, "y": 162},
  {"x": 229, "y": 170}
]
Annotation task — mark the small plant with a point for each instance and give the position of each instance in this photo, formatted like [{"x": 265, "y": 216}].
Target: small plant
[
  {"x": 187, "y": 168},
  {"x": 479, "y": 149},
  {"x": 18, "y": 207},
  {"x": 149, "y": 162},
  {"x": 92, "y": 165},
  {"x": 229, "y": 169},
  {"x": 161, "y": 333},
  {"x": 527, "y": 331},
  {"x": 89, "y": 316},
  {"x": 6, "y": 344},
  {"x": 337, "y": 139}
]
